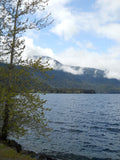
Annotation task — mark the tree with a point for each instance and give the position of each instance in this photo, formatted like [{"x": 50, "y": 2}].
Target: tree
[{"x": 19, "y": 107}]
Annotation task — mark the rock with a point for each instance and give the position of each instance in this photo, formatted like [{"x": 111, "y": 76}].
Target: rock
[
  {"x": 15, "y": 145},
  {"x": 30, "y": 153},
  {"x": 44, "y": 157}
]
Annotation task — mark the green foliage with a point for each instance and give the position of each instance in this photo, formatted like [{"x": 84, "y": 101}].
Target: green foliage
[{"x": 20, "y": 109}]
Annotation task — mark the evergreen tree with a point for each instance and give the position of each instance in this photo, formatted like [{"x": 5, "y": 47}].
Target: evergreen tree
[{"x": 20, "y": 109}]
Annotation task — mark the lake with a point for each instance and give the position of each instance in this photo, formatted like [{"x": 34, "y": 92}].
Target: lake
[{"x": 83, "y": 124}]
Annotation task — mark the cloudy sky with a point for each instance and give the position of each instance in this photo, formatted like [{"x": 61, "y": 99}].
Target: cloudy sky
[{"x": 84, "y": 33}]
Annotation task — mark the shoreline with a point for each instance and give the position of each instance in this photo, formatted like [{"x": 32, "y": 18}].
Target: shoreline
[{"x": 43, "y": 156}]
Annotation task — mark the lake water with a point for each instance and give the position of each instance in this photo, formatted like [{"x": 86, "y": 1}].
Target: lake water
[{"x": 83, "y": 124}]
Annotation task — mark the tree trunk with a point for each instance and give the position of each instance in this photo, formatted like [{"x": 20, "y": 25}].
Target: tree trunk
[{"x": 5, "y": 123}]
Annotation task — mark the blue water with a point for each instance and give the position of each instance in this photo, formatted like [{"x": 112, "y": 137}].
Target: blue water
[{"x": 83, "y": 124}]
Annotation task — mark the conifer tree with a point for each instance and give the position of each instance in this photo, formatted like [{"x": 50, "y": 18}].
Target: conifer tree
[{"x": 20, "y": 109}]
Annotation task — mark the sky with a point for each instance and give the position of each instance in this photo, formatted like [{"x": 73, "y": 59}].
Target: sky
[{"x": 84, "y": 33}]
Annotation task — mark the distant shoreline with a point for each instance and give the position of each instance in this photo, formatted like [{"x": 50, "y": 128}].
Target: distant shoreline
[{"x": 70, "y": 90}]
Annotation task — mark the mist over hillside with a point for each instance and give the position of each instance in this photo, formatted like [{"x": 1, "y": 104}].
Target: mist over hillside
[
  {"x": 66, "y": 76},
  {"x": 75, "y": 70}
]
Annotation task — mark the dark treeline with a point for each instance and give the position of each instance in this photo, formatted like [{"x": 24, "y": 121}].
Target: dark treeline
[{"x": 69, "y": 90}]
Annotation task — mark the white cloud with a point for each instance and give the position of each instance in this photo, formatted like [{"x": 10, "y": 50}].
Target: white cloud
[
  {"x": 109, "y": 9},
  {"x": 103, "y": 20},
  {"x": 80, "y": 57},
  {"x": 85, "y": 58},
  {"x": 31, "y": 50},
  {"x": 64, "y": 19},
  {"x": 111, "y": 31},
  {"x": 86, "y": 44},
  {"x": 89, "y": 45}
]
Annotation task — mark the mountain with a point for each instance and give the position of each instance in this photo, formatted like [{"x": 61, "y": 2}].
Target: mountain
[
  {"x": 75, "y": 70},
  {"x": 73, "y": 79},
  {"x": 76, "y": 77}
]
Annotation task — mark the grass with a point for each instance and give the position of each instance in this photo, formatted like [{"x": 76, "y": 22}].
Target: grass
[{"x": 7, "y": 153}]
